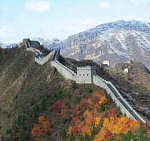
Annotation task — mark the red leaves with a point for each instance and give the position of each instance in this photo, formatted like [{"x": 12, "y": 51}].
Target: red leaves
[
  {"x": 56, "y": 106},
  {"x": 77, "y": 109},
  {"x": 74, "y": 130},
  {"x": 108, "y": 134},
  {"x": 102, "y": 115},
  {"x": 76, "y": 119},
  {"x": 112, "y": 112}
]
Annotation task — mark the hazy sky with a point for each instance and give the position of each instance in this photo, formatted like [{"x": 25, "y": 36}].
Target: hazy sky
[{"x": 60, "y": 18}]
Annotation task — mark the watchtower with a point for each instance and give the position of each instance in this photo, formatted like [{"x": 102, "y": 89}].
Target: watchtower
[{"x": 85, "y": 74}]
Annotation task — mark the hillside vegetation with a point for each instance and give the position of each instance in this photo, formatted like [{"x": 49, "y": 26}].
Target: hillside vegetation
[{"x": 38, "y": 104}]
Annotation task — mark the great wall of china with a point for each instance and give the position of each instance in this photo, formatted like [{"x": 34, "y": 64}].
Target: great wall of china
[{"x": 86, "y": 75}]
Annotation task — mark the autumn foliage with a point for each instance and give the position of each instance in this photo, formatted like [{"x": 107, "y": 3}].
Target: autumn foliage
[
  {"x": 107, "y": 122},
  {"x": 41, "y": 128},
  {"x": 91, "y": 114},
  {"x": 114, "y": 126}
]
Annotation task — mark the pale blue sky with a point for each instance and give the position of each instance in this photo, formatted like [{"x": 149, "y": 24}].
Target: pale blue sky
[{"x": 60, "y": 18}]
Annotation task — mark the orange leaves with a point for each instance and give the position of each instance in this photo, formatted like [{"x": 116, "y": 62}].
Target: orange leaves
[
  {"x": 41, "y": 119},
  {"x": 100, "y": 98},
  {"x": 42, "y": 128},
  {"x": 103, "y": 135},
  {"x": 36, "y": 130},
  {"x": 86, "y": 131},
  {"x": 114, "y": 126},
  {"x": 45, "y": 125},
  {"x": 97, "y": 121}
]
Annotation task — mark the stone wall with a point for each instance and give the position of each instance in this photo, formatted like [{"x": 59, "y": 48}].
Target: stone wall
[
  {"x": 43, "y": 60},
  {"x": 66, "y": 72},
  {"x": 90, "y": 77},
  {"x": 125, "y": 107},
  {"x": 36, "y": 51}
]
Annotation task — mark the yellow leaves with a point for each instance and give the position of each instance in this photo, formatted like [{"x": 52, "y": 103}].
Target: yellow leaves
[
  {"x": 97, "y": 121},
  {"x": 41, "y": 119},
  {"x": 102, "y": 100},
  {"x": 116, "y": 126}
]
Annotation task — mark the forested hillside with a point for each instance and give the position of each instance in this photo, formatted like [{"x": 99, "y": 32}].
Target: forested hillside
[{"x": 38, "y": 104}]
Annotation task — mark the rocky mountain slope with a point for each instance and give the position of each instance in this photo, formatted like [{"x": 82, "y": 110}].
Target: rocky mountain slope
[
  {"x": 116, "y": 42},
  {"x": 137, "y": 74}
]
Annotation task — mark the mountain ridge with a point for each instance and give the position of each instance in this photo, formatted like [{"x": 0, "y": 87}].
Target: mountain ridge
[{"x": 120, "y": 41}]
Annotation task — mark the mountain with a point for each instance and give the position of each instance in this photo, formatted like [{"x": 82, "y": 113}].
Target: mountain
[
  {"x": 29, "y": 92},
  {"x": 2, "y": 45},
  {"x": 116, "y": 42},
  {"x": 137, "y": 74},
  {"x": 37, "y": 103},
  {"x": 50, "y": 44}
]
